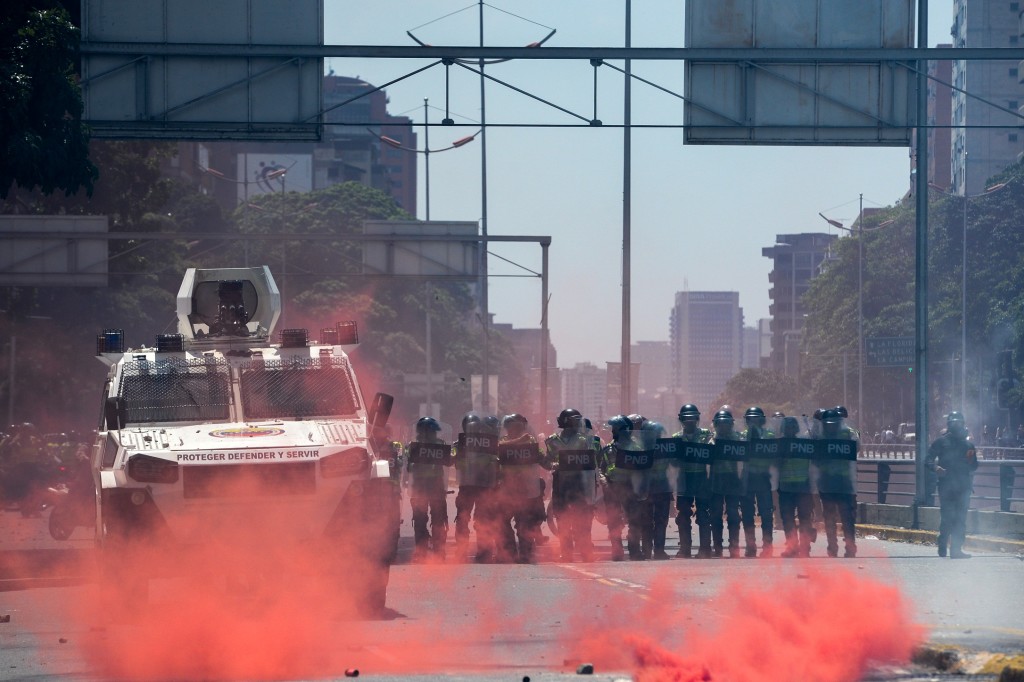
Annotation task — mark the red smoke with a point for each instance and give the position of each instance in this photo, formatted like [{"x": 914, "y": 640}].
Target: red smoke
[
  {"x": 820, "y": 626},
  {"x": 293, "y": 620}
]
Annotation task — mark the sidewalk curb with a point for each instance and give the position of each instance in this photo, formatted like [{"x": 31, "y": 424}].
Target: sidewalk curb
[
  {"x": 960, "y": 661},
  {"x": 930, "y": 537}
]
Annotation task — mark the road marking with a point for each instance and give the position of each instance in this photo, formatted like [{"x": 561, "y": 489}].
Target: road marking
[{"x": 634, "y": 588}]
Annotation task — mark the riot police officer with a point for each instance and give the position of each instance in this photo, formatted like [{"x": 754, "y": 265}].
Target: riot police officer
[
  {"x": 520, "y": 496},
  {"x": 428, "y": 493},
  {"x": 693, "y": 491},
  {"x": 574, "y": 490},
  {"x": 726, "y": 487},
  {"x": 836, "y": 479},
  {"x": 478, "y": 476},
  {"x": 760, "y": 484},
  {"x": 796, "y": 503},
  {"x": 660, "y": 489},
  {"x": 617, "y": 483},
  {"x": 953, "y": 458}
]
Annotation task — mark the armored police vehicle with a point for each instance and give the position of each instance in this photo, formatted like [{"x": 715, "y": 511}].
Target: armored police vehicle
[{"x": 217, "y": 433}]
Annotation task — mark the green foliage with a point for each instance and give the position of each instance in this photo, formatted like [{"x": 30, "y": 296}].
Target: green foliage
[
  {"x": 764, "y": 387},
  {"x": 994, "y": 310},
  {"x": 323, "y": 282},
  {"x": 43, "y": 142}
]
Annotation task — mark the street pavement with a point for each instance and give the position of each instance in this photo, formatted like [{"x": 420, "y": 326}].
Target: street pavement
[{"x": 508, "y": 622}]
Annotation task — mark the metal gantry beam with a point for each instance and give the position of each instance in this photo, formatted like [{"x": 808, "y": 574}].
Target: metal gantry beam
[{"x": 706, "y": 54}]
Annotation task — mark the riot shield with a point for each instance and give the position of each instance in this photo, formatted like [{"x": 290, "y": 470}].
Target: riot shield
[
  {"x": 762, "y": 465},
  {"x": 476, "y": 459},
  {"x": 520, "y": 470},
  {"x": 727, "y": 473},
  {"x": 834, "y": 466},
  {"x": 577, "y": 475},
  {"x": 425, "y": 467}
]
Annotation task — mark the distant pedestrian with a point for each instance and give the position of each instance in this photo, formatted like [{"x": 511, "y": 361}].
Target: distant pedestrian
[{"x": 953, "y": 459}]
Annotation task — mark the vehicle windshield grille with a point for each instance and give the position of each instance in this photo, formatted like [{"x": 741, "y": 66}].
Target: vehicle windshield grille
[
  {"x": 306, "y": 387},
  {"x": 175, "y": 390}
]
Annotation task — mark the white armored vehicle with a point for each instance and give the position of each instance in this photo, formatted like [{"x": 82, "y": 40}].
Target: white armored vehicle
[{"x": 218, "y": 434}]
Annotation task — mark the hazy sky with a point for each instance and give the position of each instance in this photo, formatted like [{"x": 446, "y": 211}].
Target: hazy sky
[{"x": 701, "y": 214}]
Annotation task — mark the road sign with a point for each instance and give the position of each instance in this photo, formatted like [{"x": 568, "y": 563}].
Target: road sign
[{"x": 890, "y": 351}]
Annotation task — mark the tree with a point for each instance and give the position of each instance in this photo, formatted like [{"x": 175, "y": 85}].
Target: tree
[
  {"x": 43, "y": 142},
  {"x": 766, "y": 388},
  {"x": 994, "y": 311},
  {"x": 323, "y": 282}
]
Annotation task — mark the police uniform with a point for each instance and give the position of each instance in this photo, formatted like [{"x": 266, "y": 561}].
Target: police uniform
[
  {"x": 836, "y": 488},
  {"x": 573, "y": 495},
  {"x": 953, "y": 458},
  {"x": 693, "y": 499},
  {"x": 478, "y": 478},
  {"x": 428, "y": 495},
  {"x": 519, "y": 490},
  {"x": 796, "y": 503},
  {"x": 618, "y": 488},
  {"x": 727, "y": 489},
  {"x": 759, "y": 482}
]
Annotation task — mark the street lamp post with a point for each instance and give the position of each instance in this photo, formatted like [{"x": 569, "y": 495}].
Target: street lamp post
[
  {"x": 860, "y": 297},
  {"x": 965, "y": 198},
  {"x": 860, "y": 306},
  {"x": 427, "y": 151}
]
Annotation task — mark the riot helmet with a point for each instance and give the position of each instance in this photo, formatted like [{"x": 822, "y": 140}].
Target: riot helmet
[
  {"x": 620, "y": 425},
  {"x": 755, "y": 416},
  {"x": 790, "y": 427},
  {"x": 778, "y": 414},
  {"x": 652, "y": 431},
  {"x": 723, "y": 416},
  {"x": 723, "y": 421},
  {"x": 427, "y": 428},
  {"x": 570, "y": 418},
  {"x": 514, "y": 418},
  {"x": 830, "y": 421},
  {"x": 638, "y": 421},
  {"x": 471, "y": 422},
  {"x": 427, "y": 424},
  {"x": 515, "y": 424},
  {"x": 956, "y": 424},
  {"x": 841, "y": 409},
  {"x": 689, "y": 412},
  {"x": 491, "y": 425}
]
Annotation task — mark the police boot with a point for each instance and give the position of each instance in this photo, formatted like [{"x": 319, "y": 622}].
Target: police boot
[
  {"x": 942, "y": 542},
  {"x": 704, "y": 538},
  {"x": 748, "y": 536},
  {"x": 685, "y": 540},
  {"x": 618, "y": 554}
]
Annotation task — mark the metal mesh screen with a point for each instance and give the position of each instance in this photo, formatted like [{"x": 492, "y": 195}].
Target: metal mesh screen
[
  {"x": 175, "y": 390},
  {"x": 277, "y": 389}
]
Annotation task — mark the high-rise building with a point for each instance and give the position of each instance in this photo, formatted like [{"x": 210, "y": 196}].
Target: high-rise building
[
  {"x": 940, "y": 135},
  {"x": 527, "y": 350},
  {"x": 796, "y": 260},
  {"x": 706, "y": 337},
  {"x": 751, "y": 348},
  {"x": 764, "y": 342},
  {"x": 584, "y": 388},
  {"x": 655, "y": 359},
  {"x": 986, "y": 138}
]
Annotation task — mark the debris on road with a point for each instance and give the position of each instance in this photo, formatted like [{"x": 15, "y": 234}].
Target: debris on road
[{"x": 585, "y": 669}]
